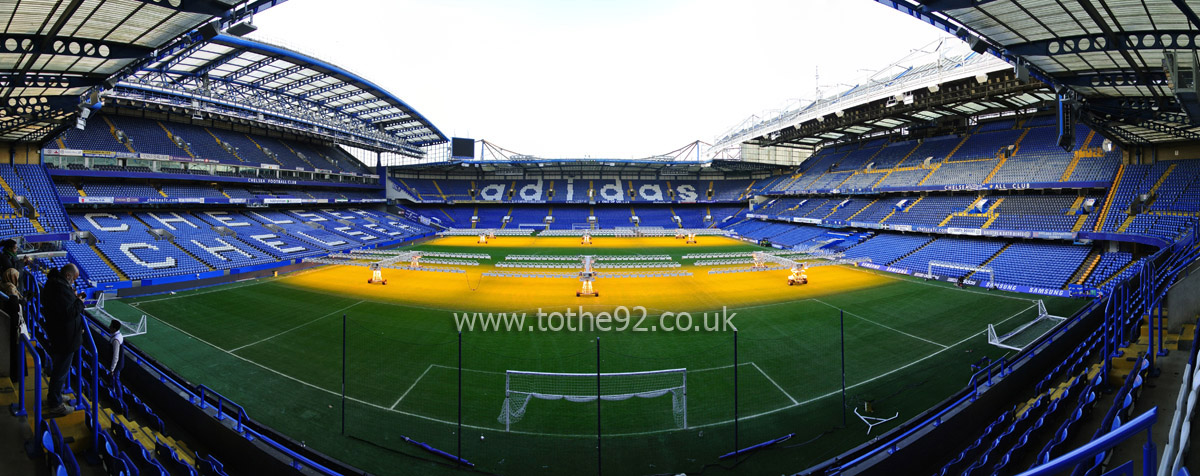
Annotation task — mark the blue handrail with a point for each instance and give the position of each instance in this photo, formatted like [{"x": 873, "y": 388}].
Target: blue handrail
[
  {"x": 18, "y": 409},
  {"x": 221, "y": 400},
  {"x": 1067, "y": 461},
  {"x": 93, "y": 391},
  {"x": 298, "y": 461}
]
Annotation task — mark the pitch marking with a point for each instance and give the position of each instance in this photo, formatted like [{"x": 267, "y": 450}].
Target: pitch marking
[
  {"x": 562, "y": 435},
  {"x": 294, "y": 328},
  {"x": 410, "y": 387},
  {"x": 882, "y": 325},
  {"x": 773, "y": 383}
]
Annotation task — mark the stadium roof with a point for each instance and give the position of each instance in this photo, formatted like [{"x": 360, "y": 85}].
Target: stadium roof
[
  {"x": 53, "y": 51},
  {"x": 241, "y": 78},
  {"x": 1109, "y": 53}
]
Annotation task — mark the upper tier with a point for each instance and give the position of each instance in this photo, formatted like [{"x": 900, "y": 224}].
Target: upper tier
[
  {"x": 115, "y": 133},
  {"x": 995, "y": 155}
]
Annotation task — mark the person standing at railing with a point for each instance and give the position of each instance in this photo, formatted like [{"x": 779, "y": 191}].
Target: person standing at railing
[
  {"x": 10, "y": 285},
  {"x": 114, "y": 367},
  {"x": 9, "y": 258},
  {"x": 62, "y": 309}
]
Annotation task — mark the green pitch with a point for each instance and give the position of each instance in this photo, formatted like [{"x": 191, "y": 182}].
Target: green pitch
[{"x": 275, "y": 347}]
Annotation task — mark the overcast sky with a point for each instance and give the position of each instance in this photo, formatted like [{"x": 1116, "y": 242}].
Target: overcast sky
[{"x": 605, "y": 79}]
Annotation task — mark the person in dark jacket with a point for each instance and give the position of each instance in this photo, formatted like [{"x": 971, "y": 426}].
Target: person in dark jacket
[
  {"x": 61, "y": 307},
  {"x": 9, "y": 258}
]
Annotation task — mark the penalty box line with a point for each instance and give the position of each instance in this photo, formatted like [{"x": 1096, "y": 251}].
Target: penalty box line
[
  {"x": 708, "y": 369},
  {"x": 560, "y": 435}
]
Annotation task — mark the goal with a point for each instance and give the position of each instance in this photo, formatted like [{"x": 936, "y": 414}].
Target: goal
[
  {"x": 520, "y": 387},
  {"x": 1026, "y": 333},
  {"x": 128, "y": 329},
  {"x": 976, "y": 272}
]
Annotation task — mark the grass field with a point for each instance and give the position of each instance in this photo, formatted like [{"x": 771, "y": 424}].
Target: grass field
[{"x": 275, "y": 346}]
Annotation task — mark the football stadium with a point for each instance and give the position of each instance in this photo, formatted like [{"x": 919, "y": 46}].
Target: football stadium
[{"x": 226, "y": 256}]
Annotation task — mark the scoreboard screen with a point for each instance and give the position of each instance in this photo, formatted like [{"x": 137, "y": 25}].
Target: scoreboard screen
[{"x": 461, "y": 148}]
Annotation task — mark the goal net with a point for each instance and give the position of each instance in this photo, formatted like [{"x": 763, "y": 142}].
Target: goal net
[
  {"x": 978, "y": 273},
  {"x": 1027, "y": 333},
  {"x": 520, "y": 387},
  {"x": 128, "y": 329}
]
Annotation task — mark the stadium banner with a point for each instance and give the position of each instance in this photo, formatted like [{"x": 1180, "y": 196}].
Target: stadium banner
[
  {"x": 209, "y": 178},
  {"x": 269, "y": 166},
  {"x": 66, "y": 152},
  {"x": 811, "y": 221},
  {"x": 92, "y": 199},
  {"x": 899, "y": 227},
  {"x": 994, "y": 186},
  {"x": 964, "y": 231},
  {"x": 888, "y": 269},
  {"x": 1016, "y": 288},
  {"x": 159, "y": 157},
  {"x": 288, "y": 201},
  {"x": 99, "y": 154}
]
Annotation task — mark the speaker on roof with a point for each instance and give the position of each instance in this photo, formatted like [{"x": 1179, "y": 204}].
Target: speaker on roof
[
  {"x": 210, "y": 30},
  {"x": 977, "y": 44},
  {"x": 1022, "y": 73}
]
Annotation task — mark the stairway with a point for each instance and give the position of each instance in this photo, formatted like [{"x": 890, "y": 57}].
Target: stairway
[
  {"x": 1017, "y": 144},
  {"x": 414, "y": 191},
  {"x": 930, "y": 174},
  {"x": 112, "y": 129},
  {"x": 8, "y": 191},
  {"x": 1078, "y": 154},
  {"x": 744, "y": 194},
  {"x": 231, "y": 150},
  {"x": 110, "y": 264},
  {"x": 439, "y": 189},
  {"x": 953, "y": 151},
  {"x": 1112, "y": 192},
  {"x": 990, "y": 259},
  {"x": 171, "y": 137},
  {"x": 999, "y": 164},
  {"x": 189, "y": 253},
  {"x": 913, "y": 204},
  {"x": 1079, "y": 222},
  {"x": 1117, "y": 273},
  {"x": 298, "y": 156},
  {"x": 260, "y": 148},
  {"x": 79, "y": 189},
  {"x": 1161, "y": 179},
  {"x": 1086, "y": 268},
  {"x": 863, "y": 208},
  {"x": 792, "y": 181},
  {"x": 910, "y": 253},
  {"x": 1075, "y": 205},
  {"x": 509, "y": 214},
  {"x": 1125, "y": 224}
]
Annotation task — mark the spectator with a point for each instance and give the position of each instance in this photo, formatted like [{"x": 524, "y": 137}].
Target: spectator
[
  {"x": 10, "y": 286},
  {"x": 116, "y": 340},
  {"x": 8, "y": 256},
  {"x": 61, "y": 307}
]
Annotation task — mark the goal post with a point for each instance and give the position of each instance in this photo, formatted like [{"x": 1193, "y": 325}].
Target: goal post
[
  {"x": 520, "y": 387},
  {"x": 969, "y": 268},
  {"x": 128, "y": 329},
  {"x": 1026, "y": 333}
]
